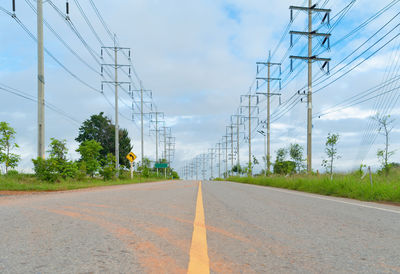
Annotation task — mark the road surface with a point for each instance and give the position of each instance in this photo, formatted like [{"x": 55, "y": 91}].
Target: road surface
[{"x": 177, "y": 227}]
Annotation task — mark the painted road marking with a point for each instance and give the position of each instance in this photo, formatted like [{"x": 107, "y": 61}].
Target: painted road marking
[
  {"x": 308, "y": 195},
  {"x": 199, "y": 261}
]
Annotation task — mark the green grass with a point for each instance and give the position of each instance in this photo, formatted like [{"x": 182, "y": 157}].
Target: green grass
[
  {"x": 26, "y": 182},
  {"x": 384, "y": 189}
]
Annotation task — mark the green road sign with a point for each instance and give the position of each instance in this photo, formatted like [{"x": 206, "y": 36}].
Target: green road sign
[{"x": 161, "y": 165}]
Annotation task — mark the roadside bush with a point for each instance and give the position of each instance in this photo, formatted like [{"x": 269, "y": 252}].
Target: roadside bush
[
  {"x": 108, "y": 171},
  {"x": 70, "y": 170},
  {"x": 46, "y": 170},
  {"x": 285, "y": 167},
  {"x": 56, "y": 166},
  {"x": 90, "y": 153},
  {"x": 12, "y": 173}
]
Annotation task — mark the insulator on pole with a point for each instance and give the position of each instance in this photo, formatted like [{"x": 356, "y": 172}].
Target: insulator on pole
[
  {"x": 101, "y": 55},
  {"x": 280, "y": 100},
  {"x": 67, "y": 7},
  {"x": 280, "y": 84},
  {"x": 291, "y": 40},
  {"x": 13, "y": 6},
  {"x": 102, "y": 87},
  {"x": 101, "y": 70},
  {"x": 325, "y": 17},
  {"x": 129, "y": 71},
  {"x": 291, "y": 15},
  {"x": 257, "y": 84},
  {"x": 291, "y": 65}
]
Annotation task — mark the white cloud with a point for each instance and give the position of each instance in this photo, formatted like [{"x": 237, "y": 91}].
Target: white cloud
[{"x": 347, "y": 113}]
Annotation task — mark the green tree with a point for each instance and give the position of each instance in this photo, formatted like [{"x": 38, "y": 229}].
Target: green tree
[
  {"x": 282, "y": 166},
  {"x": 296, "y": 154},
  {"x": 385, "y": 127},
  {"x": 58, "y": 150},
  {"x": 99, "y": 128},
  {"x": 90, "y": 152},
  {"x": 331, "y": 152},
  {"x": 57, "y": 165},
  {"x": 7, "y": 144},
  {"x": 108, "y": 171},
  {"x": 145, "y": 167},
  {"x": 238, "y": 169},
  {"x": 281, "y": 155},
  {"x": 58, "y": 159}
]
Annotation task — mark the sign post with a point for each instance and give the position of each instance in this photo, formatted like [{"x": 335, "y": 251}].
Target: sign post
[
  {"x": 131, "y": 157},
  {"x": 162, "y": 165}
]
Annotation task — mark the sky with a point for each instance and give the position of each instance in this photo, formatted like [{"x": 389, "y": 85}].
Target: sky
[{"x": 198, "y": 58}]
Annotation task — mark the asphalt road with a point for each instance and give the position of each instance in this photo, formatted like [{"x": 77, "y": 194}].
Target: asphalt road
[{"x": 172, "y": 227}]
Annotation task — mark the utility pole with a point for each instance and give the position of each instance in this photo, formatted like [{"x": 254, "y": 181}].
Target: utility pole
[
  {"x": 268, "y": 79},
  {"x": 142, "y": 103},
  {"x": 197, "y": 169},
  {"x": 141, "y": 123},
  {"x": 203, "y": 170},
  {"x": 265, "y": 149},
  {"x": 310, "y": 59},
  {"x": 116, "y": 83},
  {"x": 41, "y": 144},
  {"x": 231, "y": 127},
  {"x": 116, "y": 109},
  {"x": 226, "y": 155},
  {"x": 170, "y": 148},
  {"x": 156, "y": 121},
  {"x": 211, "y": 164},
  {"x": 250, "y": 107},
  {"x": 238, "y": 124},
  {"x": 219, "y": 160}
]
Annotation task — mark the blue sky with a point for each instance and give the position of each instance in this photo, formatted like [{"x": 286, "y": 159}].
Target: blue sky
[{"x": 197, "y": 57}]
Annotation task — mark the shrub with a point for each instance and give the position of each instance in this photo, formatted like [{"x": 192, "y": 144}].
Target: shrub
[
  {"x": 12, "y": 173},
  {"x": 108, "y": 172},
  {"x": 46, "y": 170},
  {"x": 90, "y": 152},
  {"x": 285, "y": 167},
  {"x": 70, "y": 170}
]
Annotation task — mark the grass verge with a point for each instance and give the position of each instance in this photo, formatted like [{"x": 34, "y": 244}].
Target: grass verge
[
  {"x": 25, "y": 182},
  {"x": 383, "y": 189}
]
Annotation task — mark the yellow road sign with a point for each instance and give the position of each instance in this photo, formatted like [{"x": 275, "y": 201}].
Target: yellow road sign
[{"x": 131, "y": 157}]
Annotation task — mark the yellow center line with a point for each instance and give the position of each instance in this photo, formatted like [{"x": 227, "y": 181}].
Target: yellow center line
[{"x": 199, "y": 261}]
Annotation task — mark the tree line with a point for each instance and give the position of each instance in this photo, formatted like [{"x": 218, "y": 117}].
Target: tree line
[{"x": 96, "y": 138}]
